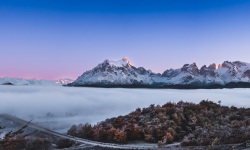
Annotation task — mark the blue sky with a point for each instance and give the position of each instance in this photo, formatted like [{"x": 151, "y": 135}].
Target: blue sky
[{"x": 53, "y": 39}]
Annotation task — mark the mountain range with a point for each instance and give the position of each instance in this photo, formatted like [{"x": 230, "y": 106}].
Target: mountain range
[
  {"x": 122, "y": 73},
  {"x": 20, "y": 81}
]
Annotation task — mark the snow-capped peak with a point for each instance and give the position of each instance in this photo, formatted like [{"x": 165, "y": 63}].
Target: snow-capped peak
[
  {"x": 191, "y": 68},
  {"x": 119, "y": 63},
  {"x": 126, "y": 59}
]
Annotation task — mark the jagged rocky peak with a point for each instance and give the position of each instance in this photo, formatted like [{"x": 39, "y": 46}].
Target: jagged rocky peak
[
  {"x": 208, "y": 70},
  {"x": 212, "y": 66},
  {"x": 126, "y": 59},
  {"x": 170, "y": 73},
  {"x": 227, "y": 64},
  {"x": 190, "y": 68},
  {"x": 203, "y": 70},
  {"x": 233, "y": 66},
  {"x": 239, "y": 63}
]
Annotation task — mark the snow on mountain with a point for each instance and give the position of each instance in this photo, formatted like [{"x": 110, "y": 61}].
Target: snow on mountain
[
  {"x": 122, "y": 72},
  {"x": 234, "y": 72},
  {"x": 115, "y": 73},
  {"x": 120, "y": 63},
  {"x": 20, "y": 81}
]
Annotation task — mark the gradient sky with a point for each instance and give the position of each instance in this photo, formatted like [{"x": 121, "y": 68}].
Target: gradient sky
[{"x": 53, "y": 39}]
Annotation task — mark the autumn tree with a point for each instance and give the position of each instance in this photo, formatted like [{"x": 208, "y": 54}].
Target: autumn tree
[
  {"x": 86, "y": 131},
  {"x": 120, "y": 137}
]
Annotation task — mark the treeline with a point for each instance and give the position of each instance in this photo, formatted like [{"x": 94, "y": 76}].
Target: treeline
[
  {"x": 163, "y": 86},
  {"x": 191, "y": 124}
]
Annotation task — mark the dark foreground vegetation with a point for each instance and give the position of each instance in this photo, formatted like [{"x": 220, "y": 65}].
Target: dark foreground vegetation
[
  {"x": 20, "y": 140},
  {"x": 206, "y": 123}
]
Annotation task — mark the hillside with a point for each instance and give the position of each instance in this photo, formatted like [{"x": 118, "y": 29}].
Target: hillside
[{"x": 191, "y": 124}]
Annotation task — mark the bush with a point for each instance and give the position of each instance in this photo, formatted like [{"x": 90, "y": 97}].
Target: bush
[
  {"x": 64, "y": 143},
  {"x": 39, "y": 143}
]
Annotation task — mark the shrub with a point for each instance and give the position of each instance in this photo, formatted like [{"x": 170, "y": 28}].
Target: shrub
[
  {"x": 39, "y": 143},
  {"x": 64, "y": 143}
]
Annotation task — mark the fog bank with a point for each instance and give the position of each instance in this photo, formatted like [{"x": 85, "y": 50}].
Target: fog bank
[{"x": 60, "y": 107}]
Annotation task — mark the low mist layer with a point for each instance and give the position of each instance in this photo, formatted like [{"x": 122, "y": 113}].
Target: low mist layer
[{"x": 60, "y": 107}]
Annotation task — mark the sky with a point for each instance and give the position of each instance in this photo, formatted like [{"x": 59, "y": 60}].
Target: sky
[{"x": 52, "y": 39}]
